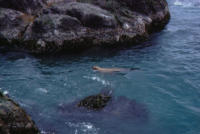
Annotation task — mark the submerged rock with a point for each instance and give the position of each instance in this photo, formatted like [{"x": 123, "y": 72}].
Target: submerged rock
[
  {"x": 13, "y": 119},
  {"x": 80, "y": 24},
  {"x": 104, "y": 106},
  {"x": 95, "y": 102}
]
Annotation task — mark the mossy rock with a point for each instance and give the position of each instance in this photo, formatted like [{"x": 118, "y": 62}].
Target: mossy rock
[{"x": 95, "y": 102}]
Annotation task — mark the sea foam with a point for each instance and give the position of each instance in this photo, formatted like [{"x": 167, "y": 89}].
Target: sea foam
[
  {"x": 187, "y": 3},
  {"x": 98, "y": 79}
]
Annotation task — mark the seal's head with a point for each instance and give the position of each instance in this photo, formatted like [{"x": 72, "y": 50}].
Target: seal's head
[{"x": 95, "y": 67}]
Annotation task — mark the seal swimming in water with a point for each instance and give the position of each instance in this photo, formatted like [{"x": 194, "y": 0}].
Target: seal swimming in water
[{"x": 110, "y": 70}]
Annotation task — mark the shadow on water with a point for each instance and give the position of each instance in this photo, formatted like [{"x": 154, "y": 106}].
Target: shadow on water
[
  {"x": 70, "y": 118},
  {"x": 95, "y": 53}
]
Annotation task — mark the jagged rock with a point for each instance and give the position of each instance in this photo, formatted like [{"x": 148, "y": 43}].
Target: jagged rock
[
  {"x": 27, "y": 6},
  {"x": 68, "y": 25},
  {"x": 11, "y": 26},
  {"x": 156, "y": 11},
  {"x": 13, "y": 119},
  {"x": 89, "y": 15}
]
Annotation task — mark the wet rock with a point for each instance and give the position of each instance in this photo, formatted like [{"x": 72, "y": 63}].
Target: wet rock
[
  {"x": 13, "y": 119},
  {"x": 68, "y": 25},
  {"x": 95, "y": 102},
  {"x": 100, "y": 107}
]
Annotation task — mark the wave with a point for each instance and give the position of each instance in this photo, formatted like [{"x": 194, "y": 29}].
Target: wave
[
  {"x": 5, "y": 92},
  {"x": 84, "y": 127},
  {"x": 187, "y": 3},
  {"x": 42, "y": 90},
  {"x": 98, "y": 79}
]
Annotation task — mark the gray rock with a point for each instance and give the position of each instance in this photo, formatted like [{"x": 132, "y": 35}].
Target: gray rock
[
  {"x": 89, "y": 15},
  {"x": 83, "y": 24},
  {"x": 11, "y": 26},
  {"x": 27, "y": 6},
  {"x": 49, "y": 33},
  {"x": 13, "y": 119}
]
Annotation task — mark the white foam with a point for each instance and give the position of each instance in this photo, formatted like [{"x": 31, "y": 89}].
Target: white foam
[
  {"x": 98, "y": 79},
  {"x": 5, "y": 92},
  {"x": 85, "y": 127},
  {"x": 187, "y": 3},
  {"x": 43, "y": 90},
  {"x": 44, "y": 132},
  {"x": 178, "y": 3}
]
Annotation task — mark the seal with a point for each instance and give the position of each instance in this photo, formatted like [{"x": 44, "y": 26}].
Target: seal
[{"x": 111, "y": 70}]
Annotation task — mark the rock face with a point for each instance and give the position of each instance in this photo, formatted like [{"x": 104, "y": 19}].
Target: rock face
[
  {"x": 11, "y": 26},
  {"x": 79, "y": 24},
  {"x": 27, "y": 6},
  {"x": 14, "y": 120}
]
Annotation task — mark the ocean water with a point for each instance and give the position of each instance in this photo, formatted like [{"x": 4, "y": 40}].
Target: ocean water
[{"x": 165, "y": 91}]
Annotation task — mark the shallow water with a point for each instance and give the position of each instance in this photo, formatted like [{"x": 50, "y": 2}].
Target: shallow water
[{"x": 168, "y": 82}]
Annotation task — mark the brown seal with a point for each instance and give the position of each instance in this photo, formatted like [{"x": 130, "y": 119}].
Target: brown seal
[{"x": 109, "y": 70}]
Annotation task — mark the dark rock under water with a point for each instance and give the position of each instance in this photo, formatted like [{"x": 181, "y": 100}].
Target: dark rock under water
[
  {"x": 114, "y": 107},
  {"x": 95, "y": 102}
]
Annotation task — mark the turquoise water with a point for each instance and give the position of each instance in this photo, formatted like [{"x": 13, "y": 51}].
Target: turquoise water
[{"x": 167, "y": 84}]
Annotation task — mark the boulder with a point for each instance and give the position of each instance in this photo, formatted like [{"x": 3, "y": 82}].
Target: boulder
[
  {"x": 26, "y": 6},
  {"x": 95, "y": 102},
  {"x": 51, "y": 33},
  {"x": 13, "y": 119},
  {"x": 75, "y": 25},
  {"x": 11, "y": 26},
  {"x": 156, "y": 11},
  {"x": 89, "y": 15}
]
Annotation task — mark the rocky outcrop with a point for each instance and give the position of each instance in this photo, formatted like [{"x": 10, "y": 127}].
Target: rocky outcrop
[
  {"x": 11, "y": 26},
  {"x": 13, "y": 119},
  {"x": 80, "y": 24},
  {"x": 95, "y": 102},
  {"x": 26, "y": 6},
  {"x": 104, "y": 105}
]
